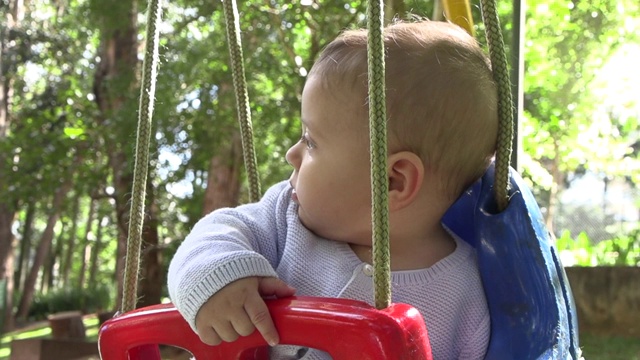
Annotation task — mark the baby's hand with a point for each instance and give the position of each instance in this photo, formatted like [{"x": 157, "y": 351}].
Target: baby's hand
[{"x": 238, "y": 309}]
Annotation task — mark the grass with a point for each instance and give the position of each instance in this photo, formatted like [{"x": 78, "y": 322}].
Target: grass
[
  {"x": 594, "y": 347},
  {"x": 609, "y": 347}
]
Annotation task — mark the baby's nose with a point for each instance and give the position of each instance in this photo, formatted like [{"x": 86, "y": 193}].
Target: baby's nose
[{"x": 293, "y": 156}]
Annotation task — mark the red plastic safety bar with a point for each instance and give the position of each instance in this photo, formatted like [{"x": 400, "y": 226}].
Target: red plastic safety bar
[{"x": 346, "y": 329}]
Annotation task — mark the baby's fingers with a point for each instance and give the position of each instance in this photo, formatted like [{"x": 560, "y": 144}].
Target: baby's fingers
[
  {"x": 270, "y": 286},
  {"x": 260, "y": 317},
  {"x": 226, "y": 331},
  {"x": 209, "y": 336},
  {"x": 243, "y": 325}
]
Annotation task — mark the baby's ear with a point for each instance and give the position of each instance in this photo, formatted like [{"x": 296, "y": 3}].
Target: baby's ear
[{"x": 406, "y": 172}]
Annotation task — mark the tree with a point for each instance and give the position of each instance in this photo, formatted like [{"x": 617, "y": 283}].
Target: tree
[
  {"x": 69, "y": 94},
  {"x": 564, "y": 52},
  {"x": 44, "y": 246},
  {"x": 12, "y": 15}
]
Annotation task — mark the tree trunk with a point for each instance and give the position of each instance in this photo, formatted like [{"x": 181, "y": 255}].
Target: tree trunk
[
  {"x": 4, "y": 82},
  {"x": 67, "y": 260},
  {"x": 8, "y": 205},
  {"x": 43, "y": 247},
  {"x": 25, "y": 246},
  {"x": 119, "y": 61},
  {"x": 47, "y": 278},
  {"x": 15, "y": 284},
  {"x": 8, "y": 321},
  {"x": 95, "y": 251},
  {"x": 114, "y": 81},
  {"x": 85, "y": 243},
  {"x": 223, "y": 180},
  {"x": 122, "y": 188},
  {"x": 7, "y": 217},
  {"x": 151, "y": 275}
]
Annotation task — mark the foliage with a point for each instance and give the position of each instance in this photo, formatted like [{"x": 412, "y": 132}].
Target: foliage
[
  {"x": 565, "y": 128},
  {"x": 622, "y": 250},
  {"x": 51, "y": 59},
  {"x": 87, "y": 300}
]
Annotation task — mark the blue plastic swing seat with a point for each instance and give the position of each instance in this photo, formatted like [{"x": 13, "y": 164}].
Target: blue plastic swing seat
[{"x": 532, "y": 310}]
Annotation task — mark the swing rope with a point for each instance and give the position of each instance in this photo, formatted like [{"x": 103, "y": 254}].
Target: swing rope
[
  {"x": 242, "y": 97},
  {"x": 505, "y": 101},
  {"x": 141, "y": 167},
  {"x": 378, "y": 150}
]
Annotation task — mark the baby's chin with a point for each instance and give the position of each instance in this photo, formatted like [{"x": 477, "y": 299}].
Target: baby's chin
[
  {"x": 319, "y": 231},
  {"x": 316, "y": 230},
  {"x": 302, "y": 216}
]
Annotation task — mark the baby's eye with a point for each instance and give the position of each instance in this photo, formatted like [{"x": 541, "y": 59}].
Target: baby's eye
[{"x": 307, "y": 142}]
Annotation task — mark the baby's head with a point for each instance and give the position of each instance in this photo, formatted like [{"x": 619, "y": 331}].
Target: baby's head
[
  {"x": 441, "y": 105},
  {"x": 441, "y": 97}
]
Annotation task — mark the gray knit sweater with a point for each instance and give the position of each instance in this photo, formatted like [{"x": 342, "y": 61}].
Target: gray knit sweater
[{"x": 267, "y": 239}]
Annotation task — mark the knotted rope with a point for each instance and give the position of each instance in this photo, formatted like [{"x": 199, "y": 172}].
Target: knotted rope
[
  {"x": 378, "y": 150},
  {"x": 505, "y": 101},
  {"x": 242, "y": 97},
  {"x": 141, "y": 167}
]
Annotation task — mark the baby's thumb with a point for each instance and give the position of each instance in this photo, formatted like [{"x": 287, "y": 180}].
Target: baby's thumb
[{"x": 271, "y": 286}]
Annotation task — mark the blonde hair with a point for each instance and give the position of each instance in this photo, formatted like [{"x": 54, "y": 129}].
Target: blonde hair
[{"x": 441, "y": 97}]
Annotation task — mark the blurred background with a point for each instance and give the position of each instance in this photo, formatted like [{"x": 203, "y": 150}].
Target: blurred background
[{"x": 69, "y": 87}]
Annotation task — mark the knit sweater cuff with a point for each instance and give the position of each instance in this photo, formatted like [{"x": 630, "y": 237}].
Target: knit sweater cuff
[{"x": 225, "y": 274}]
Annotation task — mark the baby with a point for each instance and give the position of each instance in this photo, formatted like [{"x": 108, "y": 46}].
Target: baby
[{"x": 311, "y": 235}]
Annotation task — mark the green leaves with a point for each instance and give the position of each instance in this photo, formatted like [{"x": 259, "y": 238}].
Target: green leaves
[
  {"x": 621, "y": 250},
  {"x": 566, "y": 121},
  {"x": 73, "y": 132},
  {"x": 52, "y": 60}
]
